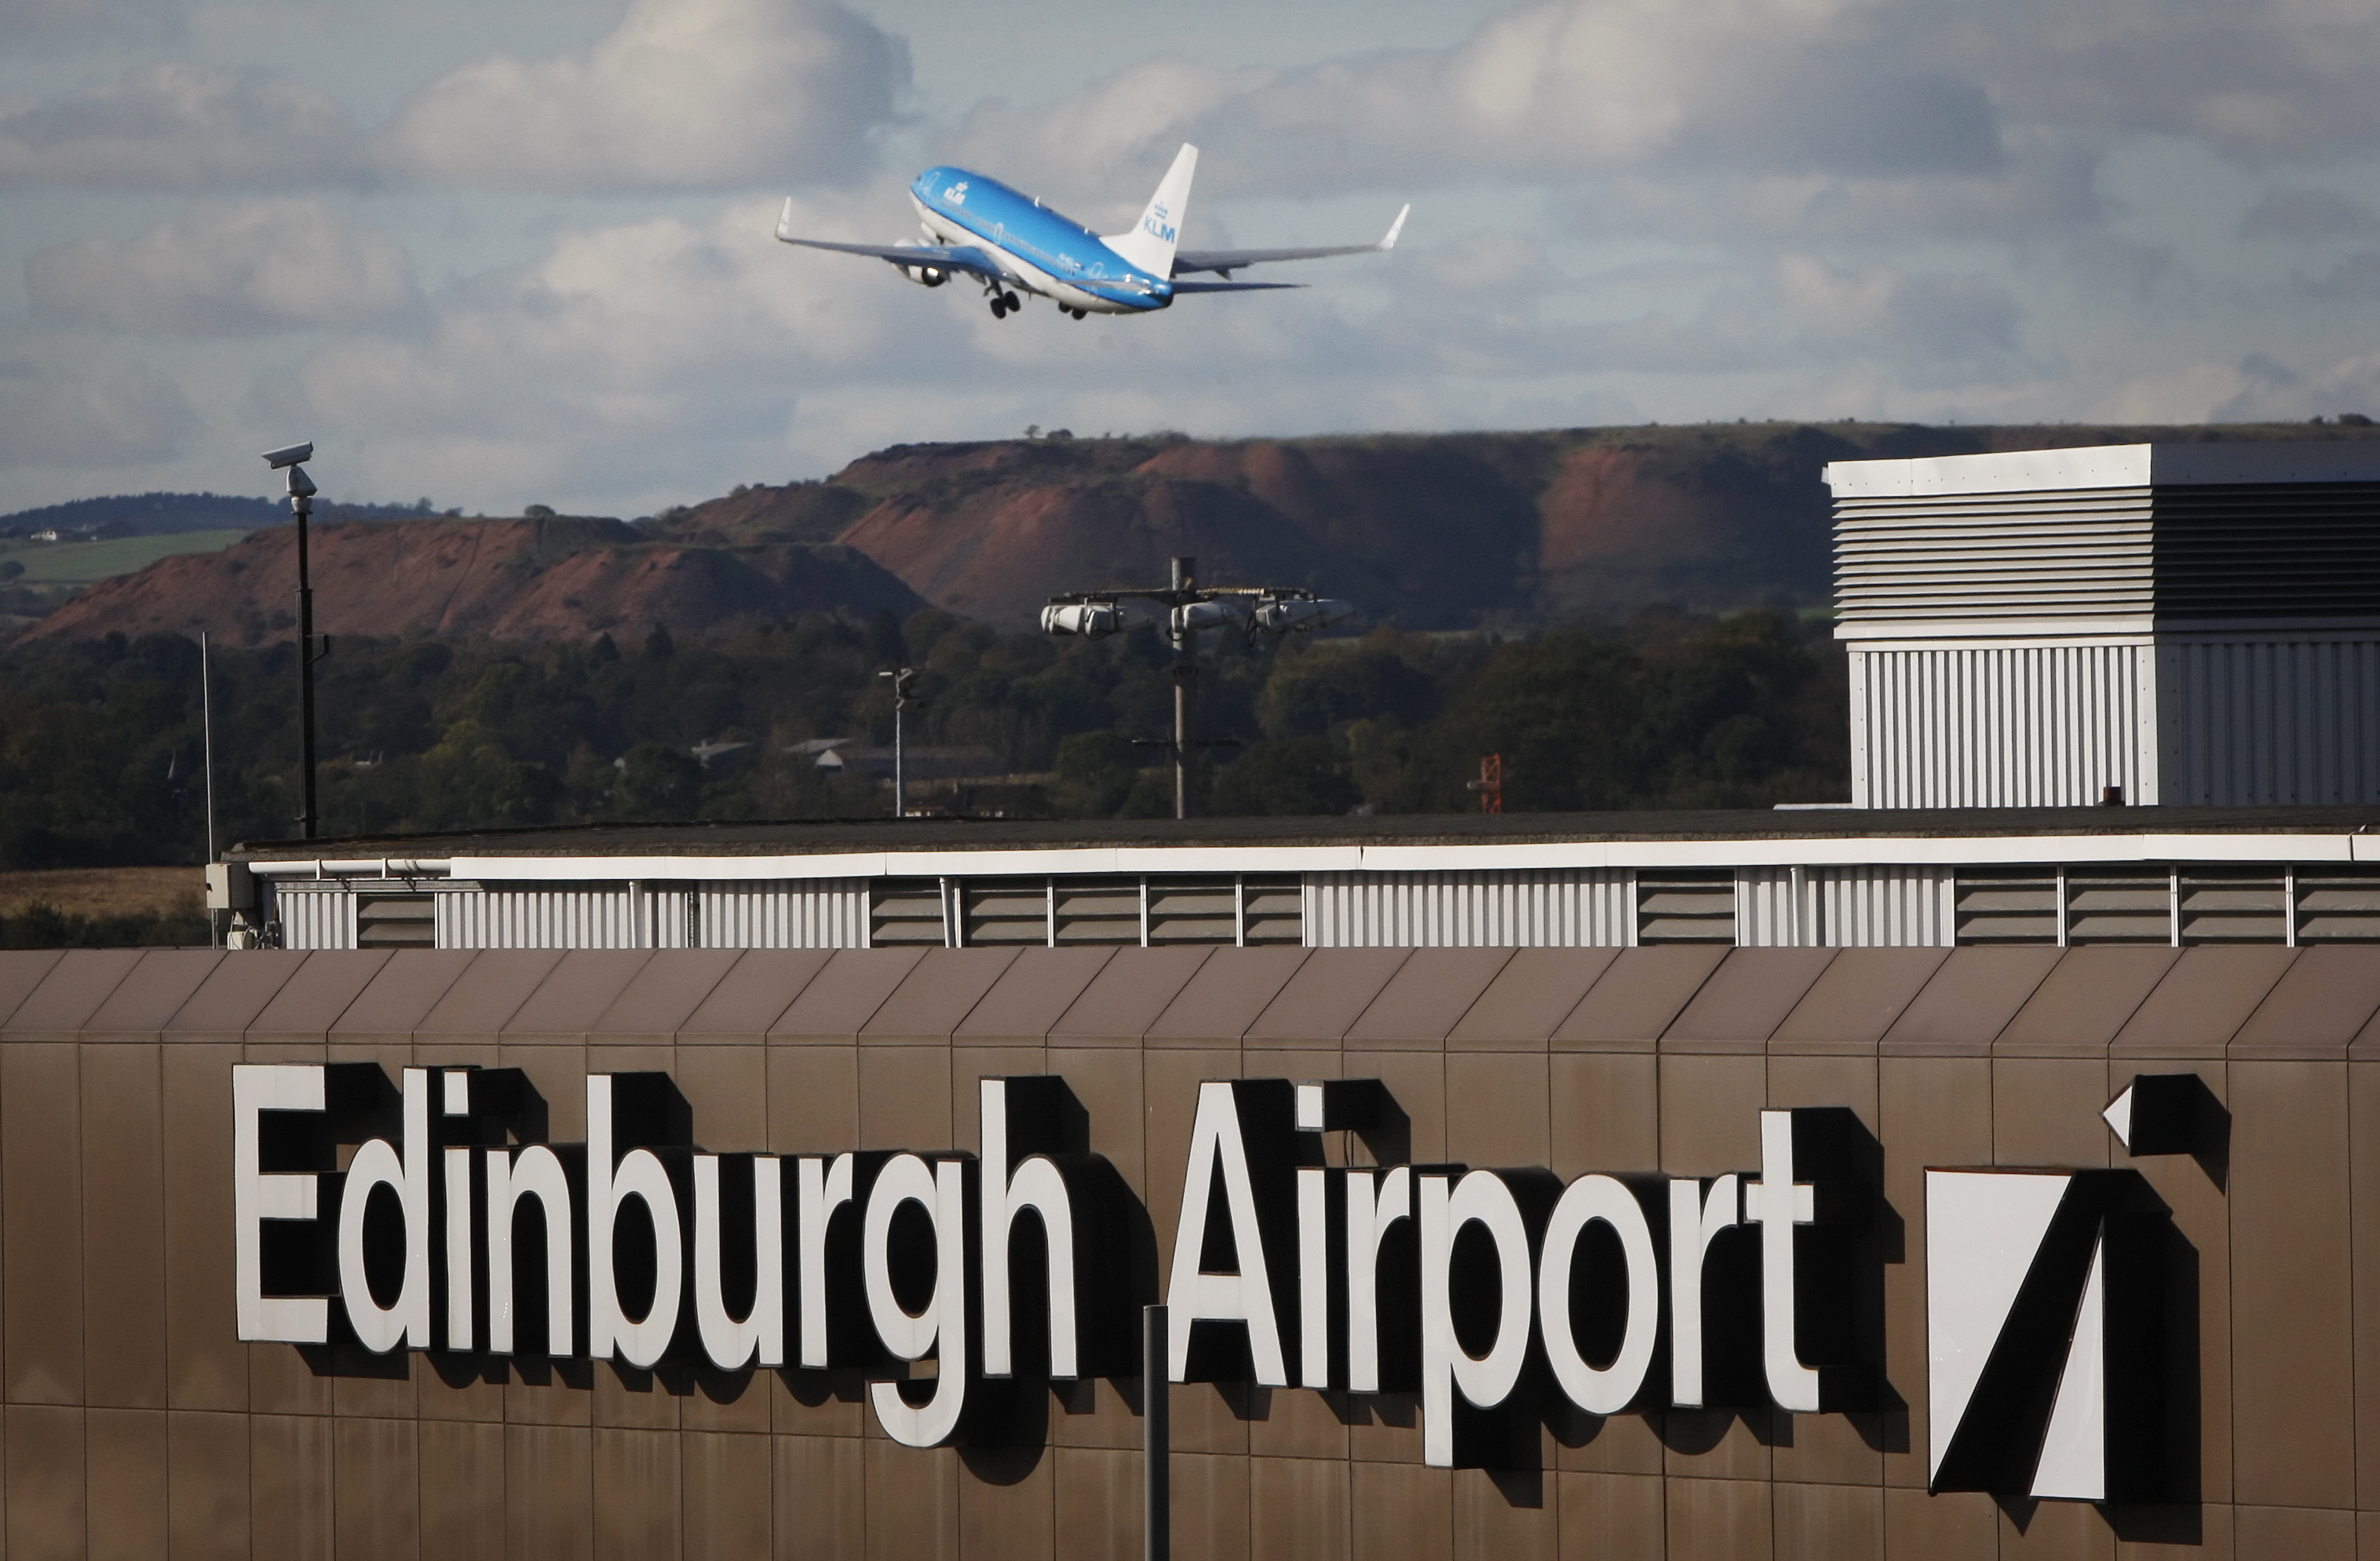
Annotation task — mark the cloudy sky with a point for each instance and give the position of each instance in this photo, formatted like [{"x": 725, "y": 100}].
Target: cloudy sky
[{"x": 496, "y": 252}]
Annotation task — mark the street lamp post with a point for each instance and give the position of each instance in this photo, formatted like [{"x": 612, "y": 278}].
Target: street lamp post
[
  {"x": 902, "y": 700},
  {"x": 1191, "y": 610},
  {"x": 291, "y": 458}
]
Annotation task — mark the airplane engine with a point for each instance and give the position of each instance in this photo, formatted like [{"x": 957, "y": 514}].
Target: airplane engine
[{"x": 924, "y": 276}]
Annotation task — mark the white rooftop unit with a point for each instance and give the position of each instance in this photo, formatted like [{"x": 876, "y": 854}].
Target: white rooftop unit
[{"x": 2195, "y": 623}]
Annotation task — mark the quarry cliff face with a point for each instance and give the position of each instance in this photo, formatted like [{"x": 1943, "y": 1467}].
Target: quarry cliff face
[
  {"x": 1432, "y": 531},
  {"x": 1429, "y": 531},
  {"x": 504, "y": 579}
]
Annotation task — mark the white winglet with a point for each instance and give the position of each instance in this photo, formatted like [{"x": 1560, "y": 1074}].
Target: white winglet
[
  {"x": 786, "y": 222},
  {"x": 1389, "y": 243}
]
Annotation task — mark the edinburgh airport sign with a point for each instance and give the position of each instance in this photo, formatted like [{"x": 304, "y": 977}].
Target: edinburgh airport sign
[{"x": 1495, "y": 1298}]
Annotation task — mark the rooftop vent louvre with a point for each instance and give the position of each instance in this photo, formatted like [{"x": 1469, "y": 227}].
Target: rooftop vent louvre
[
  {"x": 2120, "y": 908},
  {"x": 1686, "y": 907},
  {"x": 2339, "y": 905},
  {"x": 1097, "y": 912},
  {"x": 1194, "y": 910},
  {"x": 2244, "y": 905},
  {"x": 906, "y": 913},
  {"x": 1005, "y": 913},
  {"x": 1273, "y": 910},
  {"x": 396, "y": 921},
  {"x": 2006, "y": 907},
  {"x": 2281, "y": 550}
]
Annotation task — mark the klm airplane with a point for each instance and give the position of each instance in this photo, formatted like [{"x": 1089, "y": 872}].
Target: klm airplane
[{"x": 1009, "y": 241}]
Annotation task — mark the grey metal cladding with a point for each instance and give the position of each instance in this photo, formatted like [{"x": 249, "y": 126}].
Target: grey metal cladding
[{"x": 2259, "y": 551}]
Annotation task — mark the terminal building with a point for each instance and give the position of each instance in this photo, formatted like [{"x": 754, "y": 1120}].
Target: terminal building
[{"x": 1989, "y": 1169}]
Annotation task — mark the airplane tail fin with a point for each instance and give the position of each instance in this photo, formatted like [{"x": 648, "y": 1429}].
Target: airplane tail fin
[{"x": 1149, "y": 246}]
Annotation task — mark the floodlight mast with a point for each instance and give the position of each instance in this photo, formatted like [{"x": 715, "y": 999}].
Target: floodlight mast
[
  {"x": 1191, "y": 610},
  {"x": 292, "y": 458}
]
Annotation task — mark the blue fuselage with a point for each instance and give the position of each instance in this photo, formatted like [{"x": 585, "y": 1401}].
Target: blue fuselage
[{"x": 1053, "y": 254}]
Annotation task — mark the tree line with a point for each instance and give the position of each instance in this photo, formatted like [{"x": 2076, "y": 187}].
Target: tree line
[{"x": 101, "y": 741}]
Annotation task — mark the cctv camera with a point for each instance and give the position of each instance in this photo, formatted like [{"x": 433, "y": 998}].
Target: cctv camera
[{"x": 289, "y": 456}]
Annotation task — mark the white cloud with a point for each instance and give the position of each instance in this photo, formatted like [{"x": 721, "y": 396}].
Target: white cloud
[
  {"x": 51, "y": 416},
  {"x": 684, "y": 94},
  {"x": 49, "y": 24},
  {"x": 181, "y": 127},
  {"x": 263, "y": 265}
]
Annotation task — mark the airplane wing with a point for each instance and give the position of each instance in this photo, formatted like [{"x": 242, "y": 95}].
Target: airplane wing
[
  {"x": 965, "y": 258},
  {"x": 1225, "y": 262}
]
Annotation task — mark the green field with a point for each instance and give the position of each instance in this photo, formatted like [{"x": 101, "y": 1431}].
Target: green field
[{"x": 79, "y": 563}]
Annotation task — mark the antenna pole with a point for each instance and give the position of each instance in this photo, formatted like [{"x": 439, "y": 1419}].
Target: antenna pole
[
  {"x": 1157, "y": 1429},
  {"x": 1185, "y": 685}
]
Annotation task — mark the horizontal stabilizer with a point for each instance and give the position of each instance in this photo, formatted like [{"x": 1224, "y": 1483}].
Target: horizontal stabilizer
[
  {"x": 1225, "y": 262},
  {"x": 1236, "y": 286}
]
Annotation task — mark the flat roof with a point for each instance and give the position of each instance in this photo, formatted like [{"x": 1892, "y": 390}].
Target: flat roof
[
  {"x": 2110, "y": 466},
  {"x": 867, "y": 848}
]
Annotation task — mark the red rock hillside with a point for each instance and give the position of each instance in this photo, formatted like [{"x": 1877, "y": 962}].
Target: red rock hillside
[
  {"x": 1433, "y": 531},
  {"x": 506, "y": 579}
]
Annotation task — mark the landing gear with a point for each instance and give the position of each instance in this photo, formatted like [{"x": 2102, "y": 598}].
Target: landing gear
[
  {"x": 1005, "y": 304},
  {"x": 1079, "y": 314}
]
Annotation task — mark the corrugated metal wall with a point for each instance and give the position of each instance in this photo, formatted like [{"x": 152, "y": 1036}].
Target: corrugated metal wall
[
  {"x": 315, "y": 918},
  {"x": 544, "y": 916},
  {"x": 2275, "y": 721},
  {"x": 812, "y": 913},
  {"x": 1549, "y": 909},
  {"x": 1865, "y": 907},
  {"x": 2025, "y": 726}
]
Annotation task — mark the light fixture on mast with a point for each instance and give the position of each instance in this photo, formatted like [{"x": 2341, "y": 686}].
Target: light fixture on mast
[{"x": 1192, "y": 609}]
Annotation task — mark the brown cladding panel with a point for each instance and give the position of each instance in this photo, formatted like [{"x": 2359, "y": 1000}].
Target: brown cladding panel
[
  {"x": 2299, "y": 1533},
  {"x": 124, "y": 1229},
  {"x": 1034, "y": 993},
  {"x": 1497, "y": 1518},
  {"x": 1003, "y": 1517},
  {"x": 1210, "y": 1508},
  {"x": 2292, "y": 1289},
  {"x": 70, "y": 992},
  {"x": 2084, "y": 1002},
  {"x": 1610, "y": 1516},
  {"x": 1720, "y": 1519},
  {"x": 1970, "y": 1000},
  {"x": 752, "y": 994},
  {"x": 938, "y": 995},
  {"x": 228, "y": 1001},
  {"x": 637, "y": 1498},
  {"x": 1931, "y": 1111},
  {"x": 1428, "y": 996},
  {"x": 1961, "y": 1526},
  {"x": 1127, "y": 996},
  {"x": 1746, "y": 998},
  {"x": 726, "y": 1497},
  {"x": 41, "y": 1269},
  {"x": 292, "y": 1510},
  {"x": 2364, "y": 1141},
  {"x": 127, "y": 1474},
  {"x": 1324, "y": 998},
  {"x": 311, "y": 1001},
  {"x": 1097, "y": 1501},
  {"x": 2316, "y": 1009},
  {"x": 1637, "y": 998},
  {"x": 1401, "y": 1513},
  {"x": 1857, "y": 998},
  {"x": 913, "y": 1504},
  {"x": 663, "y": 994},
  {"x": 206, "y": 1366},
  {"x": 1230, "y": 989},
  {"x": 147, "y": 1000},
  {"x": 490, "y": 995},
  {"x": 47, "y": 1481},
  {"x": 2196, "y": 1010},
  {"x": 1496, "y": 1109},
  {"x": 822, "y": 1488},
  {"x": 377, "y": 1465},
  {"x": 549, "y": 1493},
  {"x": 1531, "y": 996},
  {"x": 2046, "y": 1111},
  {"x": 728, "y": 1088},
  {"x": 21, "y": 971},
  {"x": 208, "y": 1496},
  {"x": 1605, "y": 1113},
  {"x": 462, "y": 1491},
  {"x": 1710, "y": 1114},
  {"x": 844, "y": 994},
  {"x": 1833, "y": 1522},
  {"x": 904, "y": 1098},
  {"x": 567, "y": 1004},
  {"x": 401, "y": 994}
]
